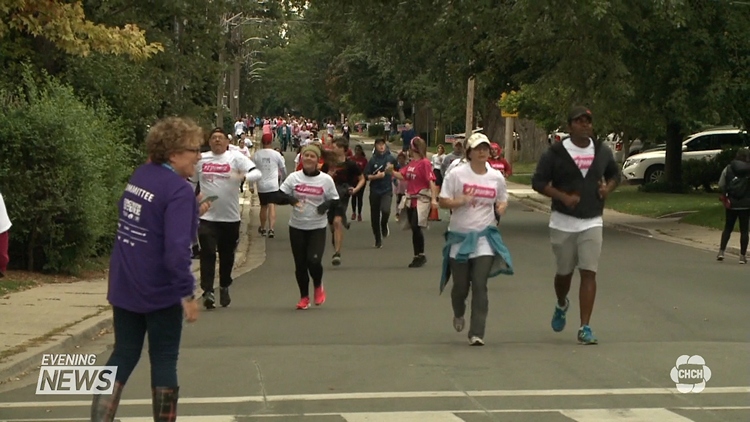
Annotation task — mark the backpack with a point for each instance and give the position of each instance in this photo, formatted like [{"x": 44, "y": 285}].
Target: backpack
[{"x": 737, "y": 187}]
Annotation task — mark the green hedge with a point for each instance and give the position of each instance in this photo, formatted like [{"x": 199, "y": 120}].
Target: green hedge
[{"x": 63, "y": 167}]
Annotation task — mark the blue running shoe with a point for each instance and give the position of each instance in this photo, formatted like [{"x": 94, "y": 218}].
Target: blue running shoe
[
  {"x": 585, "y": 335},
  {"x": 558, "y": 318}
]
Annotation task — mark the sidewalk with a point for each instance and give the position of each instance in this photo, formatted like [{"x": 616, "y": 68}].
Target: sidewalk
[
  {"x": 665, "y": 229},
  {"x": 56, "y": 318}
]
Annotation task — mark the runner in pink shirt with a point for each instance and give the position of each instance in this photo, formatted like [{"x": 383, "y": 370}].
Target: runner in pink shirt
[{"x": 421, "y": 193}]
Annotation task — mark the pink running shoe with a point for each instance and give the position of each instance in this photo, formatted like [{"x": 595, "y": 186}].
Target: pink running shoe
[
  {"x": 320, "y": 296},
  {"x": 303, "y": 303}
]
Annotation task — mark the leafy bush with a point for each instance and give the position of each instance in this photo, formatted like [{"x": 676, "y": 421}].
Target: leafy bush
[
  {"x": 706, "y": 173},
  {"x": 375, "y": 130},
  {"x": 63, "y": 166},
  {"x": 697, "y": 173}
]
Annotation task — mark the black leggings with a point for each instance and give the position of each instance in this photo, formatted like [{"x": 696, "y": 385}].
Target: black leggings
[
  {"x": 417, "y": 237},
  {"x": 216, "y": 236},
  {"x": 358, "y": 201},
  {"x": 308, "y": 247},
  {"x": 731, "y": 217},
  {"x": 164, "y": 330}
]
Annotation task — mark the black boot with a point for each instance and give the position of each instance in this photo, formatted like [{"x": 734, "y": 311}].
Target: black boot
[
  {"x": 104, "y": 407},
  {"x": 164, "y": 400}
]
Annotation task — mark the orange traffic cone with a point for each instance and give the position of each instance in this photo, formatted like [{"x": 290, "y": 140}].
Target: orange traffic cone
[{"x": 434, "y": 215}]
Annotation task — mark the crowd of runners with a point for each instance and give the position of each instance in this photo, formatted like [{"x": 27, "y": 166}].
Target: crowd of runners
[
  {"x": 160, "y": 216},
  {"x": 326, "y": 192}
]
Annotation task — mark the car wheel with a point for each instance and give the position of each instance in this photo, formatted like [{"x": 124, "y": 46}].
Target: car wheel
[{"x": 653, "y": 173}]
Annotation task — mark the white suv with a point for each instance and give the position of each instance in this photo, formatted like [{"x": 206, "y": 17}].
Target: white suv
[{"x": 649, "y": 166}]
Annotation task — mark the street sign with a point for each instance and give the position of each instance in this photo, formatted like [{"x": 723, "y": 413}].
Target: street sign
[
  {"x": 449, "y": 139},
  {"x": 505, "y": 114}
]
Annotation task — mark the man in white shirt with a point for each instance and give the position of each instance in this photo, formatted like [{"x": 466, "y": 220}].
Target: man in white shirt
[
  {"x": 239, "y": 128},
  {"x": 578, "y": 174},
  {"x": 271, "y": 164},
  {"x": 218, "y": 172}
]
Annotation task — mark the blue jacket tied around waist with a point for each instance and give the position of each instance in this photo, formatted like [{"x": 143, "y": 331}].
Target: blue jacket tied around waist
[{"x": 503, "y": 264}]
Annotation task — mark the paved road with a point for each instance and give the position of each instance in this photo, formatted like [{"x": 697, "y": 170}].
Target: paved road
[{"x": 382, "y": 348}]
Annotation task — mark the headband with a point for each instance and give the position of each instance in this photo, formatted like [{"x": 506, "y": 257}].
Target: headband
[{"x": 313, "y": 148}]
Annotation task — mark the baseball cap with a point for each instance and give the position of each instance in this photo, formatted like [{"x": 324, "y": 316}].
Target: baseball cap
[
  {"x": 477, "y": 139},
  {"x": 579, "y": 111}
]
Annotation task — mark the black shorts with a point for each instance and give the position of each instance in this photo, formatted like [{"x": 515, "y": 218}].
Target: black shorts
[
  {"x": 339, "y": 210},
  {"x": 268, "y": 197}
]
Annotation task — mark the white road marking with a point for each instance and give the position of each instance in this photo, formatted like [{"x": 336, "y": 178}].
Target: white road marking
[
  {"x": 624, "y": 415},
  {"x": 579, "y": 415},
  {"x": 402, "y": 417},
  {"x": 392, "y": 395}
]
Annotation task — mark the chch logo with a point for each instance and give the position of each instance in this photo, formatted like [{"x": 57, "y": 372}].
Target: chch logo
[{"x": 690, "y": 374}]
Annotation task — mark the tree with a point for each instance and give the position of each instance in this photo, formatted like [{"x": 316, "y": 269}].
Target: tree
[{"x": 65, "y": 25}]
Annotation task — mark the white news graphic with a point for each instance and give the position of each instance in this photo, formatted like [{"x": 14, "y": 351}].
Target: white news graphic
[
  {"x": 74, "y": 374},
  {"x": 690, "y": 374}
]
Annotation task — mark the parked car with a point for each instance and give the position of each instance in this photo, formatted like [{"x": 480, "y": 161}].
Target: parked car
[
  {"x": 648, "y": 166},
  {"x": 615, "y": 143}
]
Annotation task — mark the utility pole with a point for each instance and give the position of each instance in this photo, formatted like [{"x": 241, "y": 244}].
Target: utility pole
[
  {"x": 469, "y": 108},
  {"x": 234, "y": 77},
  {"x": 220, "y": 93}
]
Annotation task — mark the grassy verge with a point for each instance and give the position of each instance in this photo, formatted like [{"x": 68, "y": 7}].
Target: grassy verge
[
  {"x": 704, "y": 208},
  {"x": 16, "y": 280},
  {"x": 524, "y": 179}
]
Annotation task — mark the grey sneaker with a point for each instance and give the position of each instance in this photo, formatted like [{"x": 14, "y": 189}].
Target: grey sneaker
[
  {"x": 720, "y": 256},
  {"x": 476, "y": 341},
  {"x": 458, "y": 324},
  {"x": 743, "y": 259}
]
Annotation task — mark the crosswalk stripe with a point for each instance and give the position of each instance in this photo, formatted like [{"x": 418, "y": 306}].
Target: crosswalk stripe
[
  {"x": 390, "y": 395},
  {"x": 401, "y": 417},
  {"x": 623, "y": 415},
  {"x": 215, "y": 418},
  {"x": 577, "y": 415}
]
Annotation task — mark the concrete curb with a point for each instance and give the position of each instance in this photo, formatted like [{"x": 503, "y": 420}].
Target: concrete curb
[
  {"x": 640, "y": 231},
  {"x": 72, "y": 336}
]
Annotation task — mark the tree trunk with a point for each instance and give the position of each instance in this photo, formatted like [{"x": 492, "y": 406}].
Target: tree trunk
[
  {"x": 401, "y": 115},
  {"x": 494, "y": 123},
  {"x": 673, "y": 159}
]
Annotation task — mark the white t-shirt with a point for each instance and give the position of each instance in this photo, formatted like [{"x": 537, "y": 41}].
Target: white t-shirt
[
  {"x": 244, "y": 150},
  {"x": 239, "y": 127},
  {"x": 487, "y": 189},
  {"x": 271, "y": 164},
  {"x": 5, "y": 223},
  {"x": 312, "y": 192},
  {"x": 304, "y": 135},
  {"x": 331, "y": 128},
  {"x": 221, "y": 175},
  {"x": 437, "y": 161},
  {"x": 583, "y": 157},
  {"x": 458, "y": 162}
]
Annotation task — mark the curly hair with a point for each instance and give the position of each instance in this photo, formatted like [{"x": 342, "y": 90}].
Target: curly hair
[{"x": 172, "y": 135}]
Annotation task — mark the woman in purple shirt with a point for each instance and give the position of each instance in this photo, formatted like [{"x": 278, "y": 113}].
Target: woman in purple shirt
[{"x": 150, "y": 283}]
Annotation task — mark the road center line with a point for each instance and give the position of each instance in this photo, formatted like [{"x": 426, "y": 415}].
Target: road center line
[{"x": 392, "y": 395}]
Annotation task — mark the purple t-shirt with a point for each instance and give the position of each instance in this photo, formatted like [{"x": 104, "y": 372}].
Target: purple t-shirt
[{"x": 158, "y": 220}]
